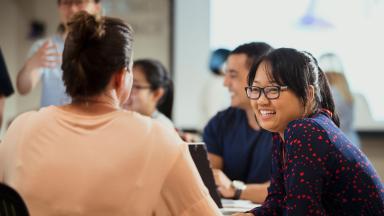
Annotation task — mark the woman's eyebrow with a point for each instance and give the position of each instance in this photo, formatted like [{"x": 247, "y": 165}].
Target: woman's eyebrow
[{"x": 269, "y": 82}]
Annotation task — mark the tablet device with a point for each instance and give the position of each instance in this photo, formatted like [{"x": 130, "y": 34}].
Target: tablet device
[{"x": 200, "y": 157}]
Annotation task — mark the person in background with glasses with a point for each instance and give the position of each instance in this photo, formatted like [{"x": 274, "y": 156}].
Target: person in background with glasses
[
  {"x": 239, "y": 150},
  {"x": 44, "y": 60},
  {"x": 152, "y": 91},
  {"x": 316, "y": 170}
]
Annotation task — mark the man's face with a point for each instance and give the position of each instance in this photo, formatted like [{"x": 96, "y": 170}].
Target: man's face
[
  {"x": 67, "y": 8},
  {"x": 235, "y": 80}
]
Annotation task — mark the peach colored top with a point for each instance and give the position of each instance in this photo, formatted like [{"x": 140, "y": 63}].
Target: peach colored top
[{"x": 119, "y": 163}]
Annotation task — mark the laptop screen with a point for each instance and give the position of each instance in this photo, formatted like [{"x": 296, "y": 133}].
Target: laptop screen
[{"x": 200, "y": 157}]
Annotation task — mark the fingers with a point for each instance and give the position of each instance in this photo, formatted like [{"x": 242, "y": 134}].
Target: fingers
[
  {"x": 50, "y": 63},
  {"x": 217, "y": 179},
  {"x": 242, "y": 214},
  {"x": 216, "y": 176},
  {"x": 48, "y": 49},
  {"x": 48, "y": 44},
  {"x": 221, "y": 190},
  {"x": 47, "y": 56},
  {"x": 221, "y": 179},
  {"x": 53, "y": 54},
  {"x": 226, "y": 192}
]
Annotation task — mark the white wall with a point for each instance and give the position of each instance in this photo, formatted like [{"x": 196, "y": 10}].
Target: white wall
[
  {"x": 191, "y": 53},
  {"x": 150, "y": 20}
]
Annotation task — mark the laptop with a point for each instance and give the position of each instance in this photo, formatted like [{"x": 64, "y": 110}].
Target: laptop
[{"x": 200, "y": 157}]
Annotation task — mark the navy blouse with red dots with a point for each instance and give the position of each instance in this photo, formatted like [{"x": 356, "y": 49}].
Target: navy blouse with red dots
[{"x": 318, "y": 171}]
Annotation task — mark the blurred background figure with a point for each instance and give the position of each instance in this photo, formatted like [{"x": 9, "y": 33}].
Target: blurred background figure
[
  {"x": 44, "y": 60},
  {"x": 332, "y": 66},
  {"x": 217, "y": 60},
  {"x": 152, "y": 91},
  {"x": 6, "y": 88},
  {"x": 215, "y": 95}
]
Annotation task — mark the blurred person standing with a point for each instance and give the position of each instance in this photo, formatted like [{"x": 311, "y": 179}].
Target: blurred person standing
[
  {"x": 45, "y": 57},
  {"x": 332, "y": 66}
]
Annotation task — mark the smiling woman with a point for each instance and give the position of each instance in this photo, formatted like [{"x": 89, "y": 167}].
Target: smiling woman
[
  {"x": 152, "y": 91},
  {"x": 316, "y": 170}
]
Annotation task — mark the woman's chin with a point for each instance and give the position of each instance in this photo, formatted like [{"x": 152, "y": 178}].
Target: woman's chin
[{"x": 267, "y": 126}]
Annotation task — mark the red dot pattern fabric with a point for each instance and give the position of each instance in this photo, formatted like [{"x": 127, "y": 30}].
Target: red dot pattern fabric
[{"x": 318, "y": 171}]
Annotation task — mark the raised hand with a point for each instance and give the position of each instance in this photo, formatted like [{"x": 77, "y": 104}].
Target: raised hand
[{"x": 46, "y": 56}]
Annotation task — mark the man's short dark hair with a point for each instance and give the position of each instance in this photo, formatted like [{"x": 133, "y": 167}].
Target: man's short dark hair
[{"x": 253, "y": 50}]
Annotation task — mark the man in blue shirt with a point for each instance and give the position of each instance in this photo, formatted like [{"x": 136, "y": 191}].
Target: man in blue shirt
[
  {"x": 44, "y": 61},
  {"x": 239, "y": 150}
]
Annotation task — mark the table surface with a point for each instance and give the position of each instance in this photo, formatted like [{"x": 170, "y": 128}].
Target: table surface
[{"x": 233, "y": 206}]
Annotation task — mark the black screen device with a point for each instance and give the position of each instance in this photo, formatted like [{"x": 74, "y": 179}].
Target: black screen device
[{"x": 199, "y": 155}]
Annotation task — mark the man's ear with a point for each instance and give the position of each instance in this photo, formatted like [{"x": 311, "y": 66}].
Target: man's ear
[{"x": 158, "y": 93}]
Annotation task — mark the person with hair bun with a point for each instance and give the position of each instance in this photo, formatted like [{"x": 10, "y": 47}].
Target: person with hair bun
[
  {"x": 316, "y": 170},
  {"x": 152, "y": 91},
  {"x": 91, "y": 157},
  {"x": 44, "y": 58}
]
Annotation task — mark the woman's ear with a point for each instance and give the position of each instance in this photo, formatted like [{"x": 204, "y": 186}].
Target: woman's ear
[
  {"x": 122, "y": 83},
  {"x": 119, "y": 78},
  {"x": 158, "y": 93},
  {"x": 311, "y": 94},
  {"x": 309, "y": 105}
]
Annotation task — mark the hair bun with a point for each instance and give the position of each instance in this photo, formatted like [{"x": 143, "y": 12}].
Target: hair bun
[{"x": 84, "y": 28}]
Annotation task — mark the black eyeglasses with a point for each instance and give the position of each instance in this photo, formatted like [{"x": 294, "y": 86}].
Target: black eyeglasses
[
  {"x": 270, "y": 92},
  {"x": 139, "y": 87}
]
